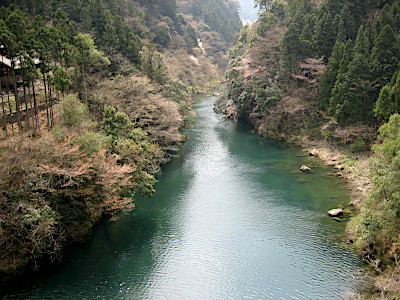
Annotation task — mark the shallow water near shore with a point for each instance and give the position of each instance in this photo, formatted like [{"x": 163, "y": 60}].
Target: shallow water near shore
[{"x": 233, "y": 218}]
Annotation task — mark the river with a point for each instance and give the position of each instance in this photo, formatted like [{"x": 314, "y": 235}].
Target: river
[{"x": 232, "y": 218}]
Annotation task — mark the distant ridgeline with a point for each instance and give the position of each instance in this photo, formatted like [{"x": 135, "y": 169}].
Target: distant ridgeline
[
  {"x": 248, "y": 12},
  {"x": 94, "y": 98},
  {"x": 330, "y": 70}
]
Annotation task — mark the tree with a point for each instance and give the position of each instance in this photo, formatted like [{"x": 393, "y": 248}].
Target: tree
[
  {"x": 337, "y": 91},
  {"x": 358, "y": 93},
  {"x": 385, "y": 18},
  {"x": 324, "y": 36},
  {"x": 13, "y": 47},
  {"x": 328, "y": 79},
  {"x": 152, "y": 63},
  {"x": 385, "y": 55},
  {"x": 380, "y": 215},
  {"x": 89, "y": 59},
  {"x": 389, "y": 99},
  {"x": 61, "y": 80},
  {"x": 292, "y": 53}
]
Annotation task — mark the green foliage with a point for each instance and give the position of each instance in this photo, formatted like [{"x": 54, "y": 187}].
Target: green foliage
[
  {"x": 116, "y": 124},
  {"x": 73, "y": 111},
  {"x": 61, "y": 80},
  {"x": 267, "y": 20},
  {"x": 152, "y": 63},
  {"x": 380, "y": 216},
  {"x": 328, "y": 78},
  {"x": 163, "y": 35},
  {"x": 358, "y": 145},
  {"x": 324, "y": 36},
  {"x": 385, "y": 105},
  {"x": 58, "y": 132},
  {"x": 268, "y": 97},
  {"x": 91, "y": 142},
  {"x": 133, "y": 147},
  {"x": 385, "y": 55},
  {"x": 328, "y": 135}
]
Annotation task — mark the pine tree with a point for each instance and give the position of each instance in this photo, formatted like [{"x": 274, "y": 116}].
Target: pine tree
[
  {"x": 389, "y": 99},
  {"x": 292, "y": 53},
  {"x": 306, "y": 39},
  {"x": 356, "y": 93},
  {"x": 385, "y": 18},
  {"x": 349, "y": 27},
  {"x": 328, "y": 79},
  {"x": 324, "y": 38},
  {"x": 337, "y": 91},
  {"x": 385, "y": 55}
]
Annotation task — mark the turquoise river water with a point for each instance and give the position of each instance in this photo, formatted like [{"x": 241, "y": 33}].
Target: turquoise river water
[{"x": 232, "y": 218}]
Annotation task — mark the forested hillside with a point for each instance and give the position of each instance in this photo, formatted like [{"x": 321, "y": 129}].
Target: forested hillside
[
  {"x": 94, "y": 98},
  {"x": 329, "y": 71}
]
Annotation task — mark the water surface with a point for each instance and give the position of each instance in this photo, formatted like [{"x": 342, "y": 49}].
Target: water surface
[{"x": 233, "y": 218}]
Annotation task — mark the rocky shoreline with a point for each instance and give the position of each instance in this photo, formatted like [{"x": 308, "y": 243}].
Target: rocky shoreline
[{"x": 354, "y": 169}]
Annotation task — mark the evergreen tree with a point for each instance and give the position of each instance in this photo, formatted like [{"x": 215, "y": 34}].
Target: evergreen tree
[
  {"x": 337, "y": 91},
  {"x": 349, "y": 27},
  {"x": 324, "y": 38},
  {"x": 358, "y": 93},
  {"x": 385, "y": 55},
  {"x": 328, "y": 79},
  {"x": 355, "y": 93},
  {"x": 389, "y": 99},
  {"x": 362, "y": 44},
  {"x": 292, "y": 53},
  {"x": 306, "y": 39},
  {"x": 385, "y": 18},
  {"x": 340, "y": 29}
]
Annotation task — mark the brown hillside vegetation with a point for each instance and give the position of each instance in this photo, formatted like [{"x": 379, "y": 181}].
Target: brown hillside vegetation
[{"x": 143, "y": 102}]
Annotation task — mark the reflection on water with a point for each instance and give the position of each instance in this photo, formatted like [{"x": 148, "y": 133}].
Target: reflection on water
[{"x": 232, "y": 219}]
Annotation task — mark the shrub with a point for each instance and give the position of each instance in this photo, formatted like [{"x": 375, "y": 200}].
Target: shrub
[
  {"x": 358, "y": 145},
  {"x": 269, "y": 97},
  {"x": 91, "y": 142},
  {"x": 74, "y": 113}
]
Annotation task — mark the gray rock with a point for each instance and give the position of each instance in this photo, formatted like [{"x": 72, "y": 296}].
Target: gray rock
[
  {"x": 335, "y": 212},
  {"x": 305, "y": 169}
]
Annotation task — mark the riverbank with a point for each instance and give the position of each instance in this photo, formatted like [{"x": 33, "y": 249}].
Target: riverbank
[{"x": 353, "y": 168}]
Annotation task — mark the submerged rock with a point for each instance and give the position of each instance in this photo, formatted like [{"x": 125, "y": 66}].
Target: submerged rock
[
  {"x": 335, "y": 212},
  {"x": 305, "y": 169}
]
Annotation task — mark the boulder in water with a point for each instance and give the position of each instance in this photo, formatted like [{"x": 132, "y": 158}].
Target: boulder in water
[
  {"x": 335, "y": 212},
  {"x": 305, "y": 169}
]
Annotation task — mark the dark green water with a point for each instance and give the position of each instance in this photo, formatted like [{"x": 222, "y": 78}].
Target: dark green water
[{"x": 232, "y": 219}]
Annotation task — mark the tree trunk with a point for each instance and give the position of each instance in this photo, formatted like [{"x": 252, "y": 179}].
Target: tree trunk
[
  {"x": 50, "y": 102},
  {"x": 26, "y": 110},
  {"x": 4, "y": 110},
  {"x": 10, "y": 109},
  {"x": 17, "y": 100},
  {"x": 31, "y": 105},
  {"x": 35, "y": 106},
  {"x": 47, "y": 106}
]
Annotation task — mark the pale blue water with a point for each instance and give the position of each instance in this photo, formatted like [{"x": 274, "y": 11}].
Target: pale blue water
[{"x": 232, "y": 219}]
